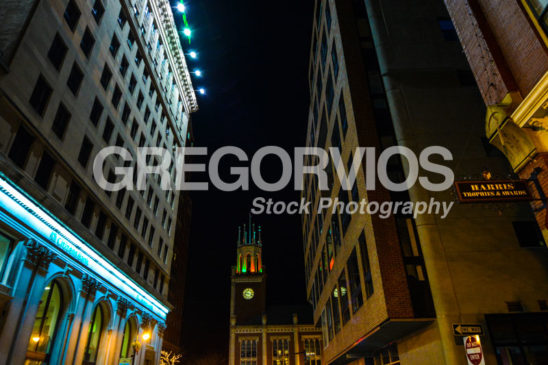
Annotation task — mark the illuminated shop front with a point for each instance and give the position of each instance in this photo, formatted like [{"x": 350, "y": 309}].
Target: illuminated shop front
[{"x": 61, "y": 301}]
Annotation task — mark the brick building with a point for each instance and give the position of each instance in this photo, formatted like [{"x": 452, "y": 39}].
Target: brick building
[
  {"x": 84, "y": 272},
  {"x": 506, "y": 47},
  {"x": 260, "y": 335},
  {"x": 388, "y": 291}
]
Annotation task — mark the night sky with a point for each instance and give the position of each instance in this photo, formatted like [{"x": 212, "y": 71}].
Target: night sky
[{"x": 254, "y": 55}]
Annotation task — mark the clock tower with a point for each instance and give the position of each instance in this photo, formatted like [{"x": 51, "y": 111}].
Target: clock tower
[{"x": 248, "y": 289}]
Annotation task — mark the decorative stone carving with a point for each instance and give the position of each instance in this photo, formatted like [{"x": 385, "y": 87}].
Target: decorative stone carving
[
  {"x": 38, "y": 255},
  {"x": 90, "y": 285},
  {"x": 147, "y": 321},
  {"x": 123, "y": 306},
  {"x": 161, "y": 329}
]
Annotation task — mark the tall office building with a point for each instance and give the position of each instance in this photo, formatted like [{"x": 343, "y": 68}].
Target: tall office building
[
  {"x": 84, "y": 272},
  {"x": 507, "y": 50},
  {"x": 398, "y": 290}
]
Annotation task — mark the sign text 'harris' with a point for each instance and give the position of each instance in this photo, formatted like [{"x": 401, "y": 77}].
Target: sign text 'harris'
[{"x": 492, "y": 191}]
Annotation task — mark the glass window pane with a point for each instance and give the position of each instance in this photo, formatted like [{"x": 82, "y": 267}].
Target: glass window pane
[
  {"x": 94, "y": 336},
  {"x": 5, "y": 247},
  {"x": 47, "y": 319}
]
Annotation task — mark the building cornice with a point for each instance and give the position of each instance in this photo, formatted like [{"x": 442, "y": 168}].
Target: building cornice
[{"x": 170, "y": 37}]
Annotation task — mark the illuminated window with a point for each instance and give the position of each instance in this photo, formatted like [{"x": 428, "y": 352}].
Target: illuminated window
[
  {"x": 312, "y": 351},
  {"x": 6, "y": 245},
  {"x": 343, "y": 298},
  {"x": 248, "y": 352},
  {"x": 335, "y": 309},
  {"x": 129, "y": 337},
  {"x": 94, "y": 336},
  {"x": 47, "y": 321},
  {"x": 280, "y": 351}
]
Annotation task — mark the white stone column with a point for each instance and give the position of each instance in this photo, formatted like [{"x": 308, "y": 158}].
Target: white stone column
[
  {"x": 121, "y": 310},
  {"x": 29, "y": 289},
  {"x": 75, "y": 355}
]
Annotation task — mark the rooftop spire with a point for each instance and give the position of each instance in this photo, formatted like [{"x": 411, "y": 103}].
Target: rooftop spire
[{"x": 249, "y": 234}]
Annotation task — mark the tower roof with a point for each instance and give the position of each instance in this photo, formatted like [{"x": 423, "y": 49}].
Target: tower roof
[{"x": 249, "y": 236}]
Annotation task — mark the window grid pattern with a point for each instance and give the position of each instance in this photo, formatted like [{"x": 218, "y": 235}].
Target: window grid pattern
[
  {"x": 312, "y": 351},
  {"x": 248, "y": 352},
  {"x": 280, "y": 351}
]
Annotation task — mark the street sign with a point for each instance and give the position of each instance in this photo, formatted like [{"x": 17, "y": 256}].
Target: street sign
[
  {"x": 467, "y": 329},
  {"x": 474, "y": 352},
  {"x": 492, "y": 191}
]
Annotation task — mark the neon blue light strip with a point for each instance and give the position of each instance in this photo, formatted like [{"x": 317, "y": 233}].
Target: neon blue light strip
[{"x": 60, "y": 238}]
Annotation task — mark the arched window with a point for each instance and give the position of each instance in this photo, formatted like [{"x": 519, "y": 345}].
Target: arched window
[
  {"x": 248, "y": 262},
  {"x": 129, "y": 338},
  {"x": 94, "y": 336},
  {"x": 46, "y": 324}
]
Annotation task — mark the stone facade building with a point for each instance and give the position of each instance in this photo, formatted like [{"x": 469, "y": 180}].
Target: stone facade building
[
  {"x": 84, "y": 272},
  {"x": 261, "y": 335}
]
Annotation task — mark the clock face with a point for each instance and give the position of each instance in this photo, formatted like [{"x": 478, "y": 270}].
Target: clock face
[{"x": 248, "y": 293}]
